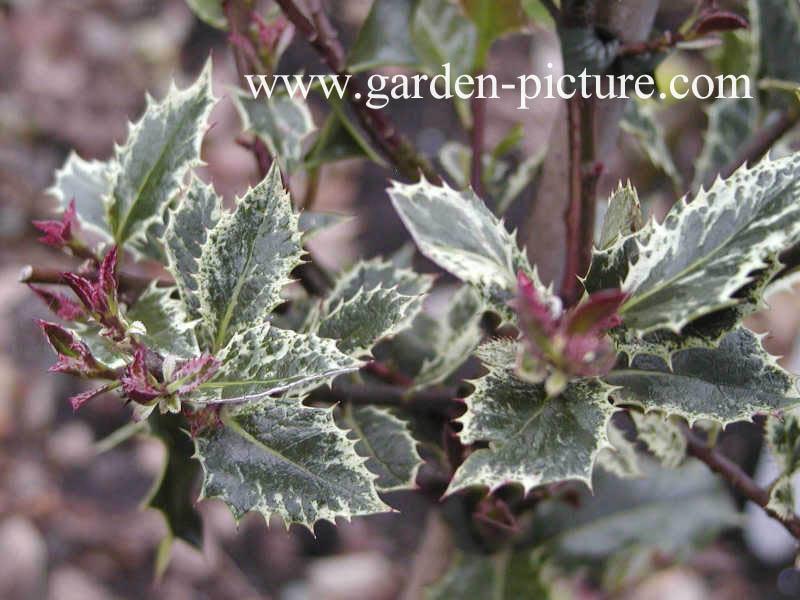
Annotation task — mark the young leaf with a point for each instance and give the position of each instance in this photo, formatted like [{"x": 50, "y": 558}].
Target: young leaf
[
  {"x": 623, "y": 216},
  {"x": 279, "y": 457},
  {"x": 87, "y": 183},
  {"x": 171, "y": 493},
  {"x": 456, "y": 231},
  {"x": 387, "y": 443},
  {"x": 534, "y": 440},
  {"x": 168, "y": 329},
  {"x": 266, "y": 360},
  {"x": 639, "y": 120},
  {"x": 371, "y": 301},
  {"x": 281, "y": 121},
  {"x": 705, "y": 250},
  {"x": 197, "y": 213},
  {"x": 385, "y": 37},
  {"x": 159, "y": 151},
  {"x": 246, "y": 260},
  {"x": 662, "y": 437},
  {"x": 726, "y": 384}
]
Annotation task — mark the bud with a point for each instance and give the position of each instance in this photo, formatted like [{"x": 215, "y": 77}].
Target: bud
[
  {"x": 63, "y": 307},
  {"x": 74, "y": 357}
]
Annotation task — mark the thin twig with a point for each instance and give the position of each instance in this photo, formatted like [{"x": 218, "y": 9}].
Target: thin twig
[
  {"x": 739, "y": 480},
  {"x": 580, "y": 213},
  {"x": 127, "y": 282},
  {"x": 322, "y": 37},
  {"x": 477, "y": 135}
]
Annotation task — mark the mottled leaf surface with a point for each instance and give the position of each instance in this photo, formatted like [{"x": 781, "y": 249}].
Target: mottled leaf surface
[
  {"x": 662, "y": 437},
  {"x": 640, "y": 121},
  {"x": 534, "y": 440},
  {"x": 168, "y": 329},
  {"x": 278, "y": 457},
  {"x": 459, "y": 233},
  {"x": 729, "y": 383},
  {"x": 281, "y": 121},
  {"x": 387, "y": 443},
  {"x": 266, "y": 360},
  {"x": 442, "y": 34},
  {"x": 370, "y": 301},
  {"x": 246, "y": 260},
  {"x": 160, "y": 149},
  {"x": 705, "y": 250},
  {"x": 87, "y": 182}
]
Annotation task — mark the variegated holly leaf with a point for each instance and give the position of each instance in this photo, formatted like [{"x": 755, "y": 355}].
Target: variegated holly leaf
[
  {"x": 197, "y": 213},
  {"x": 385, "y": 37},
  {"x": 640, "y": 121},
  {"x": 783, "y": 436},
  {"x": 666, "y": 509},
  {"x": 265, "y": 360},
  {"x": 387, "y": 443},
  {"x": 706, "y": 250},
  {"x": 281, "y": 121},
  {"x": 279, "y": 457},
  {"x": 781, "y": 497},
  {"x": 623, "y": 216},
  {"x": 662, "y": 437},
  {"x": 533, "y": 439},
  {"x": 621, "y": 459},
  {"x": 370, "y": 301},
  {"x": 172, "y": 492},
  {"x": 312, "y": 223},
  {"x": 452, "y": 338},
  {"x": 459, "y": 233},
  {"x": 339, "y": 139},
  {"x": 732, "y": 382},
  {"x": 167, "y": 327},
  {"x": 246, "y": 260},
  {"x": 160, "y": 149},
  {"x": 731, "y": 121},
  {"x": 86, "y": 182}
]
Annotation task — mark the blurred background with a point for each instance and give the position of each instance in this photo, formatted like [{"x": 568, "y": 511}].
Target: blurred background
[{"x": 72, "y": 74}]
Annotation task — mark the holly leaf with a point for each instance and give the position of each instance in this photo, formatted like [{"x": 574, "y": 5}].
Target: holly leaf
[
  {"x": 533, "y": 439},
  {"x": 167, "y": 327},
  {"x": 281, "y": 121},
  {"x": 623, "y": 216},
  {"x": 639, "y": 120},
  {"x": 197, "y": 213},
  {"x": 621, "y": 459},
  {"x": 86, "y": 182},
  {"x": 371, "y": 301},
  {"x": 783, "y": 436},
  {"x": 265, "y": 360},
  {"x": 706, "y": 250},
  {"x": 662, "y": 437},
  {"x": 385, "y": 37},
  {"x": 441, "y": 35},
  {"x": 246, "y": 260},
  {"x": 281, "y": 458},
  {"x": 732, "y": 382},
  {"x": 781, "y": 497},
  {"x": 339, "y": 139},
  {"x": 776, "y": 29},
  {"x": 459, "y": 233},
  {"x": 731, "y": 121},
  {"x": 160, "y": 149},
  {"x": 312, "y": 223},
  {"x": 171, "y": 493},
  {"x": 452, "y": 337},
  {"x": 387, "y": 443},
  {"x": 210, "y": 12}
]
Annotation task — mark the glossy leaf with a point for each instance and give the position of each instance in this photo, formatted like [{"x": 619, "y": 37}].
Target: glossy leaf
[
  {"x": 281, "y": 458},
  {"x": 385, "y": 37}
]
